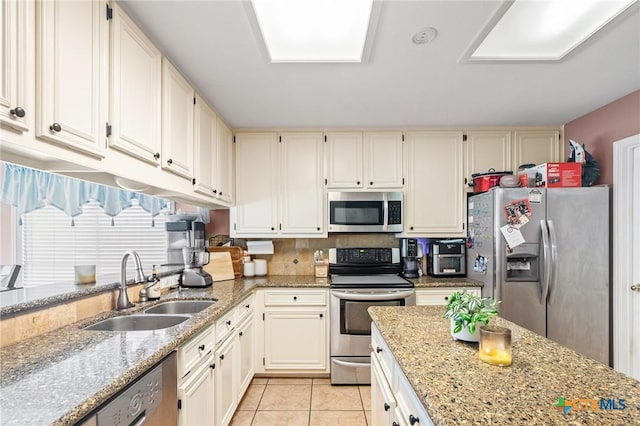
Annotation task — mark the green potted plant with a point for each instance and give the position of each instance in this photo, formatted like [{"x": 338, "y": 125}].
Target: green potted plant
[{"x": 466, "y": 312}]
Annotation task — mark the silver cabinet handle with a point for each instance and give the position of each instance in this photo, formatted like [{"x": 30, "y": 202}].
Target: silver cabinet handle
[{"x": 635, "y": 287}]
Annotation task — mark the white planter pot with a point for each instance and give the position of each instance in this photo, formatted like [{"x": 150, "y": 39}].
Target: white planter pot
[{"x": 464, "y": 334}]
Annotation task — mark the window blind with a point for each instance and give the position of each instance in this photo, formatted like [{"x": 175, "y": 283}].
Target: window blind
[{"x": 51, "y": 246}]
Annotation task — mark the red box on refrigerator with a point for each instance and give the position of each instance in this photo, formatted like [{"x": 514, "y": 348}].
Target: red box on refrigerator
[{"x": 559, "y": 175}]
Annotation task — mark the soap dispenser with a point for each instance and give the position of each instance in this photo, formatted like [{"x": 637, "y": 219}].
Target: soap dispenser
[{"x": 153, "y": 293}]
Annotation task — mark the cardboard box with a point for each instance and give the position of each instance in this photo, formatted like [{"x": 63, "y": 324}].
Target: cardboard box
[{"x": 559, "y": 175}]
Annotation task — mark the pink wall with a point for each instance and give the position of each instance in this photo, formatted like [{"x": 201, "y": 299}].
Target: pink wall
[{"x": 600, "y": 128}]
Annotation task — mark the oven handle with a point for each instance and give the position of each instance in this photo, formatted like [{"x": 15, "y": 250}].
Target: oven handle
[
  {"x": 352, "y": 364},
  {"x": 368, "y": 296}
]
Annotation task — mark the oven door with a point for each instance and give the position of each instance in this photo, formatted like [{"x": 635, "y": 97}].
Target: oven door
[{"x": 350, "y": 326}]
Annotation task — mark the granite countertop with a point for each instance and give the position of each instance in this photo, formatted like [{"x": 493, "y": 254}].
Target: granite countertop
[
  {"x": 456, "y": 388},
  {"x": 427, "y": 281},
  {"x": 59, "y": 377}
]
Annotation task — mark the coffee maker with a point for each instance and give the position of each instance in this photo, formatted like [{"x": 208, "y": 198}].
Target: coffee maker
[
  {"x": 185, "y": 247},
  {"x": 410, "y": 257}
]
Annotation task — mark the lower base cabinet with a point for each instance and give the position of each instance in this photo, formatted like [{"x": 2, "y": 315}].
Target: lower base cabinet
[
  {"x": 440, "y": 295},
  {"x": 226, "y": 398},
  {"x": 246, "y": 352},
  {"x": 195, "y": 394},
  {"x": 393, "y": 400}
]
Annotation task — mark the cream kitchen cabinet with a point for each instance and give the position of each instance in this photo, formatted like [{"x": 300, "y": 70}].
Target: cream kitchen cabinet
[
  {"x": 440, "y": 295},
  {"x": 178, "y": 98},
  {"x": 246, "y": 352},
  {"x": 226, "y": 397},
  {"x": 223, "y": 187},
  {"x": 72, "y": 74},
  {"x": 485, "y": 150},
  {"x": 16, "y": 33},
  {"x": 435, "y": 191},
  {"x": 205, "y": 165},
  {"x": 278, "y": 185},
  {"x": 256, "y": 209},
  {"x": 135, "y": 90},
  {"x": 196, "y": 367},
  {"x": 213, "y": 147},
  {"x": 536, "y": 147},
  {"x": 369, "y": 160},
  {"x": 295, "y": 328}
]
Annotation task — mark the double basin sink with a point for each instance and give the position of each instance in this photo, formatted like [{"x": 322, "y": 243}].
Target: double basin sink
[{"x": 164, "y": 315}]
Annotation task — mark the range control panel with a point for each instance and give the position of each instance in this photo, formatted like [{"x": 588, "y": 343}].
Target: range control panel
[{"x": 363, "y": 256}]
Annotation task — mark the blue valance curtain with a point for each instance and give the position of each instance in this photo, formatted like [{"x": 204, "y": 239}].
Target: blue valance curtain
[{"x": 29, "y": 189}]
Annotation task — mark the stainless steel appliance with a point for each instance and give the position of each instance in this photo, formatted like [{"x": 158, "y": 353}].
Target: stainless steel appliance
[
  {"x": 151, "y": 400},
  {"x": 185, "y": 246},
  {"x": 447, "y": 258},
  {"x": 361, "y": 277},
  {"x": 556, "y": 282},
  {"x": 365, "y": 211},
  {"x": 409, "y": 257}
]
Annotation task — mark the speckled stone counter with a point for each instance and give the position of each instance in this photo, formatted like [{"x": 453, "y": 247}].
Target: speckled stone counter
[
  {"x": 456, "y": 388},
  {"x": 61, "y": 376},
  {"x": 427, "y": 281}
]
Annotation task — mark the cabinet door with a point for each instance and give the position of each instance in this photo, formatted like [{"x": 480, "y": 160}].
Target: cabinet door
[
  {"x": 226, "y": 382},
  {"x": 295, "y": 339},
  {"x": 344, "y": 160},
  {"x": 223, "y": 186},
  {"x": 195, "y": 395},
  {"x": 383, "y": 159},
  {"x": 487, "y": 149},
  {"x": 435, "y": 193},
  {"x": 72, "y": 74},
  {"x": 301, "y": 178},
  {"x": 14, "y": 16},
  {"x": 382, "y": 401},
  {"x": 177, "y": 122},
  {"x": 206, "y": 148},
  {"x": 256, "y": 183},
  {"x": 135, "y": 89},
  {"x": 536, "y": 147},
  {"x": 246, "y": 350}
]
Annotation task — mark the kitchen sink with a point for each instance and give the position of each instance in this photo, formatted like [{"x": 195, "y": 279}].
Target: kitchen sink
[
  {"x": 138, "y": 322},
  {"x": 180, "y": 307}
]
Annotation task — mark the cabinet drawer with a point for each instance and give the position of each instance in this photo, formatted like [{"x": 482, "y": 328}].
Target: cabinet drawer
[
  {"x": 246, "y": 308},
  {"x": 225, "y": 325},
  {"x": 382, "y": 353},
  {"x": 440, "y": 296},
  {"x": 295, "y": 298},
  {"x": 409, "y": 408},
  {"x": 196, "y": 349}
]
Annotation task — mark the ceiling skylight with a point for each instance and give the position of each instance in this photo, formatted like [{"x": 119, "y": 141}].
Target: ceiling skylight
[
  {"x": 313, "y": 30},
  {"x": 546, "y": 29}
]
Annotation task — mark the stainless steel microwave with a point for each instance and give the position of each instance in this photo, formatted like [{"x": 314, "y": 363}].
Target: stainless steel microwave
[{"x": 365, "y": 211}]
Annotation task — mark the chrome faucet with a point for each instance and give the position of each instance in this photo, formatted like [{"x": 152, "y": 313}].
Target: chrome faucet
[{"x": 123, "y": 299}]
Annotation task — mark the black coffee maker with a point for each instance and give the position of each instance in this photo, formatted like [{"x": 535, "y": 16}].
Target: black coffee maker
[{"x": 409, "y": 257}]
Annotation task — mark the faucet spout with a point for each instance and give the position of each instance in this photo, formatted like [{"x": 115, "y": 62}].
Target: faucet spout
[{"x": 123, "y": 298}]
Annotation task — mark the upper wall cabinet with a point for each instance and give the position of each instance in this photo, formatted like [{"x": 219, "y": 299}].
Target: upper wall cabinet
[
  {"x": 536, "y": 147},
  {"x": 279, "y": 185},
  {"x": 223, "y": 188},
  {"x": 178, "y": 98},
  {"x": 372, "y": 160},
  {"x": 485, "y": 150},
  {"x": 72, "y": 74},
  {"x": 135, "y": 90},
  {"x": 435, "y": 194},
  {"x": 14, "y": 35}
]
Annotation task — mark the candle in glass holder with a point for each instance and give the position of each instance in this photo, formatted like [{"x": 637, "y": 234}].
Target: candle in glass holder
[{"x": 495, "y": 345}]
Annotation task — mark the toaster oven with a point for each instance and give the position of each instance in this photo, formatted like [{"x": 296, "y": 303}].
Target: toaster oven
[{"x": 447, "y": 259}]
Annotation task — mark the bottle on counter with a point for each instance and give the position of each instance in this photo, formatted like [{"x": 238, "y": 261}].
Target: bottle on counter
[{"x": 153, "y": 292}]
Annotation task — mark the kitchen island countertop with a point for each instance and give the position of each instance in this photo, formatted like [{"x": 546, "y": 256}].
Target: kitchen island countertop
[{"x": 456, "y": 388}]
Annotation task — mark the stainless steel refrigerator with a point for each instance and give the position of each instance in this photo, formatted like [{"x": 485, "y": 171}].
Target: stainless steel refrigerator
[{"x": 553, "y": 278}]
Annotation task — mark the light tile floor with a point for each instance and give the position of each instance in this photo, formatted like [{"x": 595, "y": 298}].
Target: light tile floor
[{"x": 312, "y": 402}]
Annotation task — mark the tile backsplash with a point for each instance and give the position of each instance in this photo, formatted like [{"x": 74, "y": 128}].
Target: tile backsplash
[{"x": 294, "y": 256}]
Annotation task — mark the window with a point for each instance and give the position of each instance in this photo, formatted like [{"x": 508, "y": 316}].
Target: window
[{"x": 51, "y": 244}]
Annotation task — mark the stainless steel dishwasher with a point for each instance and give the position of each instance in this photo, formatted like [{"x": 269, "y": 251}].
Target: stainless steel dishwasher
[{"x": 151, "y": 400}]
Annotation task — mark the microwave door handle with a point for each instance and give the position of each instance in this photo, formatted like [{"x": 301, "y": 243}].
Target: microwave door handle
[
  {"x": 385, "y": 211},
  {"x": 368, "y": 296}
]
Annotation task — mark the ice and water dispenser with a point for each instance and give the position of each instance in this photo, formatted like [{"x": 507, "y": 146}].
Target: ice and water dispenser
[{"x": 522, "y": 263}]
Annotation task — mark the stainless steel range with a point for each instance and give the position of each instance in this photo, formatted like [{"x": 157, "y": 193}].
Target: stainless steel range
[{"x": 361, "y": 277}]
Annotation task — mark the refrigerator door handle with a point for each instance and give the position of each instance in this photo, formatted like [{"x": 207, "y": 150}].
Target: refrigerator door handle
[
  {"x": 554, "y": 262},
  {"x": 546, "y": 258}
]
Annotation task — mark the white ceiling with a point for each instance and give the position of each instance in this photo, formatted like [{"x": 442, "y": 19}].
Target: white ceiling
[{"x": 402, "y": 85}]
